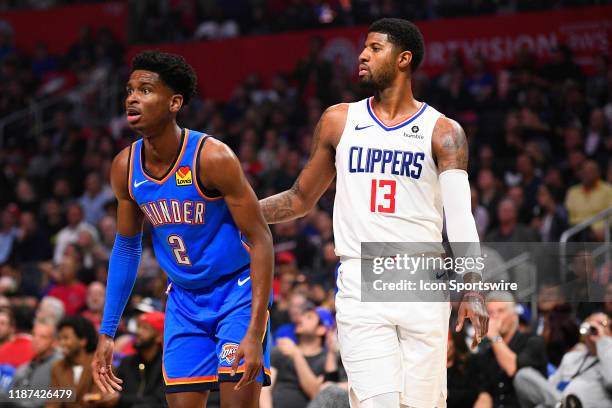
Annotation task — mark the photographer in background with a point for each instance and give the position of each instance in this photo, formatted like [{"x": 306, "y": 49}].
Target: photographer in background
[{"x": 584, "y": 377}]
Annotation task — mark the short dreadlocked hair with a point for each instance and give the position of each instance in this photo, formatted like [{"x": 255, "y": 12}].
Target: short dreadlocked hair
[
  {"x": 404, "y": 35},
  {"x": 173, "y": 70}
]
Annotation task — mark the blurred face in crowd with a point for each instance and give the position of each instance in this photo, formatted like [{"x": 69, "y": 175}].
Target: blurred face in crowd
[
  {"x": 549, "y": 296},
  {"x": 68, "y": 269},
  {"x": 43, "y": 339},
  {"x": 150, "y": 103},
  {"x": 70, "y": 345},
  {"x": 95, "y": 297},
  {"x": 50, "y": 308},
  {"x": 146, "y": 336},
  {"x": 544, "y": 198},
  {"x": 590, "y": 173},
  {"x": 583, "y": 265},
  {"x": 524, "y": 166},
  {"x": 27, "y": 221},
  {"x": 309, "y": 324},
  {"x": 296, "y": 307},
  {"x": 75, "y": 215},
  {"x": 505, "y": 314},
  {"x": 486, "y": 180},
  {"x": 6, "y": 328},
  {"x": 92, "y": 183},
  {"x": 517, "y": 195},
  {"x": 377, "y": 62},
  {"x": 506, "y": 212}
]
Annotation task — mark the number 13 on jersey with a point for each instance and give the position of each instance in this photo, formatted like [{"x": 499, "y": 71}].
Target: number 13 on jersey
[{"x": 382, "y": 196}]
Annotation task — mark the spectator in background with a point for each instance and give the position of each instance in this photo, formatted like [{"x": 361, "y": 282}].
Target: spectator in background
[
  {"x": 32, "y": 244},
  {"x": 7, "y": 325},
  {"x": 298, "y": 370},
  {"x": 143, "y": 384},
  {"x": 93, "y": 199},
  {"x": 17, "y": 349},
  {"x": 95, "y": 303},
  {"x": 50, "y": 308},
  {"x": 462, "y": 372},
  {"x": 490, "y": 196},
  {"x": 589, "y": 198},
  {"x": 68, "y": 289},
  {"x": 77, "y": 341},
  {"x": 549, "y": 217},
  {"x": 481, "y": 216},
  {"x": 8, "y": 231},
  {"x": 560, "y": 334},
  {"x": 584, "y": 378},
  {"x": 504, "y": 351},
  {"x": 70, "y": 233},
  {"x": 297, "y": 305},
  {"x": 509, "y": 229},
  {"x": 36, "y": 375}
]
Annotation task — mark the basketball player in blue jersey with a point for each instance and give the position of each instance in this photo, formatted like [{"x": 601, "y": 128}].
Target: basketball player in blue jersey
[
  {"x": 400, "y": 168},
  {"x": 208, "y": 235}
]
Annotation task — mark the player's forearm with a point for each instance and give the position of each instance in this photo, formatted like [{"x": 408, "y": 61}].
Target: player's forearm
[
  {"x": 282, "y": 207},
  {"x": 262, "y": 267}
]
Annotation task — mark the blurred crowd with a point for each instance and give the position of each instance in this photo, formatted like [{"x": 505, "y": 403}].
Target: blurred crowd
[{"x": 540, "y": 138}]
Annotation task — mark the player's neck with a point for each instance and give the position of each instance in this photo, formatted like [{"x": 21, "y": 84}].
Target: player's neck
[
  {"x": 162, "y": 145},
  {"x": 395, "y": 102}
]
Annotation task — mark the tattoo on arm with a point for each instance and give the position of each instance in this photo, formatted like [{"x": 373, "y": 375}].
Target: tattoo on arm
[
  {"x": 453, "y": 151},
  {"x": 279, "y": 207}
]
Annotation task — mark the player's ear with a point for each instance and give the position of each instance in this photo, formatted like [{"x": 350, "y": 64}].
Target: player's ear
[
  {"x": 404, "y": 59},
  {"x": 176, "y": 102}
]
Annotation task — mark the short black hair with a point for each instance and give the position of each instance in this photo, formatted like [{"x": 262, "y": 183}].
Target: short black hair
[
  {"x": 83, "y": 329},
  {"x": 173, "y": 70},
  {"x": 403, "y": 34}
]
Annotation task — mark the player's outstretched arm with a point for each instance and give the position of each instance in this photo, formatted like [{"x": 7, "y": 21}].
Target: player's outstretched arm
[
  {"x": 316, "y": 175},
  {"x": 221, "y": 170},
  {"x": 449, "y": 145},
  {"x": 122, "y": 270}
]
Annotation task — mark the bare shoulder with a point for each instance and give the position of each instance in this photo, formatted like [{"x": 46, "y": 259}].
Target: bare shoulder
[
  {"x": 449, "y": 145},
  {"x": 332, "y": 123},
  {"x": 119, "y": 172},
  {"x": 219, "y": 166},
  {"x": 215, "y": 153}
]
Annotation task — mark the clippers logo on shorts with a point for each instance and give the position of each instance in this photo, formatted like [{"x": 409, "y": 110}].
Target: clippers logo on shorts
[
  {"x": 183, "y": 176},
  {"x": 228, "y": 352}
]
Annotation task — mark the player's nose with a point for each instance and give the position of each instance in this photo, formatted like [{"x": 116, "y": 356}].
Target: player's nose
[{"x": 364, "y": 56}]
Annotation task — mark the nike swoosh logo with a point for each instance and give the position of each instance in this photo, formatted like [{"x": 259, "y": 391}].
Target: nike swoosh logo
[
  {"x": 137, "y": 183},
  {"x": 361, "y": 128},
  {"x": 243, "y": 281}
]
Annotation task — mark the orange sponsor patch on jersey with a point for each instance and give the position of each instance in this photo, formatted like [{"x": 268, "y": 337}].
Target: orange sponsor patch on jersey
[{"x": 183, "y": 176}]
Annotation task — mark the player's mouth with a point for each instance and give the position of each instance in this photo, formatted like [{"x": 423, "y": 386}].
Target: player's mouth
[
  {"x": 133, "y": 115},
  {"x": 363, "y": 70}
]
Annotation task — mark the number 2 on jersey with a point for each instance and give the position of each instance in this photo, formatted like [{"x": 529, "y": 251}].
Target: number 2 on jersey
[
  {"x": 178, "y": 248},
  {"x": 388, "y": 196}
]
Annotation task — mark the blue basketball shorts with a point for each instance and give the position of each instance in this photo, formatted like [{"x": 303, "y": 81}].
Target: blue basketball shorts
[{"x": 203, "y": 329}]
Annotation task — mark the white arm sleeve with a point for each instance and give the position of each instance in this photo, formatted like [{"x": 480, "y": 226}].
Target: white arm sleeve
[{"x": 457, "y": 202}]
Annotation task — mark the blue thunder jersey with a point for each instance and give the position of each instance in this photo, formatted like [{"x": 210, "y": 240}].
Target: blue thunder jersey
[{"x": 195, "y": 238}]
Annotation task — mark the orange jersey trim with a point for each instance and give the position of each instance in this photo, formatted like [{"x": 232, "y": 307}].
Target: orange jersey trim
[
  {"x": 130, "y": 170},
  {"x": 176, "y": 163},
  {"x": 187, "y": 380}
]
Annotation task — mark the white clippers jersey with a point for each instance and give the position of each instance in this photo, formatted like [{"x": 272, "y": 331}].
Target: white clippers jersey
[{"x": 387, "y": 187}]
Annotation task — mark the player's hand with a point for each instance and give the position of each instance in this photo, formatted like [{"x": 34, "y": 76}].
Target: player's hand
[
  {"x": 102, "y": 367},
  {"x": 251, "y": 350},
  {"x": 286, "y": 346},
  {"x": 473, "y": 307}
]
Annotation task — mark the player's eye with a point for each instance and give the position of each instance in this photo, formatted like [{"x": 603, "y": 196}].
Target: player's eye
[
  {"x": 146, "y": 91},
  {"x": 128, "y": 91}
]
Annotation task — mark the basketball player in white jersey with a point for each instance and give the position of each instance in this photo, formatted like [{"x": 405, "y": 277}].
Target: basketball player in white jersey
[{"x": 398, "y": 164}]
